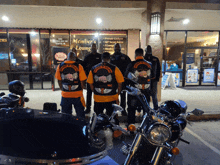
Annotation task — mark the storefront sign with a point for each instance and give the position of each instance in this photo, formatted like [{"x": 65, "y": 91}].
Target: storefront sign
[
  {"x": 190, "y": 58},
  {"x": 109, "y": 42},
  {"x": 60, "y": 41},
  {"x": 218, "y": 80},
  {"x": 59, "y": 54},
  {"x": 192, "y": 76},
  {"x": 208, "y": 75}
]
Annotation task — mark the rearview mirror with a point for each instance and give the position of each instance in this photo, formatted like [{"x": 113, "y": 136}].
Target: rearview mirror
[{"x": 197, "y": 112}]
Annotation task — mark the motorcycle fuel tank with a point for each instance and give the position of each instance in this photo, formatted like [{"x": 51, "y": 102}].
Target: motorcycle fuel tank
[{"x": 35, "y": 135}]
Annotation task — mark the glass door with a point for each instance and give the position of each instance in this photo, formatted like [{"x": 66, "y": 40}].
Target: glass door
[
  {"x": 193, "y": 66},
  {"x": 208, "y": 66},
  {"x": 201, "y": 65}
]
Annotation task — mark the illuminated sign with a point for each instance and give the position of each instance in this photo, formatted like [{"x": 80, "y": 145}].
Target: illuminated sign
[{"x": 60, "y": 56}]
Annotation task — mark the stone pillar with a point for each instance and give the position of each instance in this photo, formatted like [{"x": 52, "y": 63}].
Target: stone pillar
[
  {"x": 156, "y": 41},
  {"x": 133, "y": 42}
]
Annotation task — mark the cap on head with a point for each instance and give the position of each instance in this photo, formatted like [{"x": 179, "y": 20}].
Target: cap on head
[
  {"x": 106, "y": 56},
  {"x": 148, "y": 49}
]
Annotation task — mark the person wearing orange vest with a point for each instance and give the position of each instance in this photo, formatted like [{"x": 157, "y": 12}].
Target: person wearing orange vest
[
  {"x": 71, "y": 79},
  {"x": 105, "y": 80},
  {"x": 141, "y": 70}
]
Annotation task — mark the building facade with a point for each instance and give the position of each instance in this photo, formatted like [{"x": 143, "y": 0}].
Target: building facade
[{"x": 37, "y": 31}]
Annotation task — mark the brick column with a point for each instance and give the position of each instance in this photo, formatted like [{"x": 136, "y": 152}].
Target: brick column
[{"x": 156, "y": 41}]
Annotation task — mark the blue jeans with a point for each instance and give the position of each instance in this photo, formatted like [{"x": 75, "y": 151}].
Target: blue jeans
[{"x": 66, "y": 104}]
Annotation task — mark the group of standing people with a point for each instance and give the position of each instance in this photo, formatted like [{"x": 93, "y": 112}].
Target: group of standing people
[{"x": 105, "y": 78}]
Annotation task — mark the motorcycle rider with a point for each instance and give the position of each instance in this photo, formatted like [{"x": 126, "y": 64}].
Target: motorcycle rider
[
  {"x": 71, "y": 79},
  {"x": 105, "y": 80},
  {"x": 156, "y": 66},
  {"x": 142, "y": 73},
  {"x": 89, "y": 61},
  {"x": 121, "y": 61}
]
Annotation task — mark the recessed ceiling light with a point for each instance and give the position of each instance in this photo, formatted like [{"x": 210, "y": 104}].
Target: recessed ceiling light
[
  {"x": 186, "y": 21},
  {"x": 98, "y": 20},
  {"x": 5, "y": 18}
]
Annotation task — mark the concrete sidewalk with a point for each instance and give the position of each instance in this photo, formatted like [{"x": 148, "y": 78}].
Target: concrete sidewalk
[{"x": 205, "y": 98}]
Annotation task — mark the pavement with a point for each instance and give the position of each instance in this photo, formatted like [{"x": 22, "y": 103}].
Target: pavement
[{"x": 206, "y": 98}]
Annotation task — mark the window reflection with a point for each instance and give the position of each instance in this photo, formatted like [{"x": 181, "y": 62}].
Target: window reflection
[
  {"x": 3, "y": 51},
  {"x": 201, "y": 39}
]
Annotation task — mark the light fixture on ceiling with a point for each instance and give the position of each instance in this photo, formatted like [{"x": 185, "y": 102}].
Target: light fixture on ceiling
[
  {"x": 98, "y": 21},
  {"x": 155, "y": 23},
  {"x": 5, "y": 18},
  {"x": 33, "y": 33},
  {"x": 96, "y": 34},
  {"x": 186, "y": 21}
]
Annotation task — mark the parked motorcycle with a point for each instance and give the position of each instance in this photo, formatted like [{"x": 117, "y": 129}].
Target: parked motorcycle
[
  {"x": 48, "y": 137},
  {"x": 160, "y": 132}
]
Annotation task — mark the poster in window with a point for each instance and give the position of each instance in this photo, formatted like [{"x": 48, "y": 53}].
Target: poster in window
[
  {"x": 208, "y": 75},
  {"x": 190, "y": 58},
  {"x": 59, "y": 54},
  {"x": 176, "y": 78},
  {"x": 218, "y": 80},
  {"x": 192, "y": 76}
]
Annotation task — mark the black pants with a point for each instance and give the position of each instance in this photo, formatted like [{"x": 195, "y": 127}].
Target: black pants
[
  {"x": 88, "y": 97},
  {"x": 133, "y": 103},
  {"x": 123, "y": 100},
  {"x": 99, "y": 107}
]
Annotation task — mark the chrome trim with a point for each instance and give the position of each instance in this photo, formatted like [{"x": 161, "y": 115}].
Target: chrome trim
[{"x": 10, "y": 160}]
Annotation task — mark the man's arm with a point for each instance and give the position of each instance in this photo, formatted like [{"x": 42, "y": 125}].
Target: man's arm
[
  {"x": 92, "y": 87},
  {"x": 83, "y": 84},
  {"x": 60, "y": 84},
  {"x": 119, "y": 88}
]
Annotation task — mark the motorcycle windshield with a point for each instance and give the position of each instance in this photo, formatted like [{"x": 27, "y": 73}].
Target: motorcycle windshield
[{"x": 41, "y": 135}]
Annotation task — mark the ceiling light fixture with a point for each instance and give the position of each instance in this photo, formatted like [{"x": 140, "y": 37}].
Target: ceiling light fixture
[
  {"x": 5, "y": 18},
  {"x": 186, "y": 21},
  {"x": 98, "y": 21}
]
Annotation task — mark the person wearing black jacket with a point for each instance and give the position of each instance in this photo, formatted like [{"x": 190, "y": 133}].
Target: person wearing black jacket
[
  {"x": 121, "y": 61},
  {"x": 157, "y": 68},
  {"x": 141, "y": 72},
  {"x": 89, "y": 61}
]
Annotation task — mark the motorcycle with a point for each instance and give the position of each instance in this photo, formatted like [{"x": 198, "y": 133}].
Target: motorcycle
[
  {"x": 159, "y": 133},
  {"x": 48, "y": 137}
]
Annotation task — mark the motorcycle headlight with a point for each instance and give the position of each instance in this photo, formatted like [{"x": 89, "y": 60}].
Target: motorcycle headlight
[{"x": 158, "y": 133}]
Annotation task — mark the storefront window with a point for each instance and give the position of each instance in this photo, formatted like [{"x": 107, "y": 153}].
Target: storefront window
[
  {"x": 174, "y": 55},
  {"x": 109, "y": 38},
  {"x": 105, "y": 40},
  {"x": 82, "y": 41},
  {"x": 3, "y": 59},
  {"x": 46, "y": 58},
  {"x": 3, "y": 51},
  {"x": 59, "y": 42},
  {"x": 201, "y": 39}
]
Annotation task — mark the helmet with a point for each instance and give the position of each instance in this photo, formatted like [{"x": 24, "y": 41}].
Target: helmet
[
  {"x": 171, "y": 107},
  {"x": 16, "y": 87}
]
